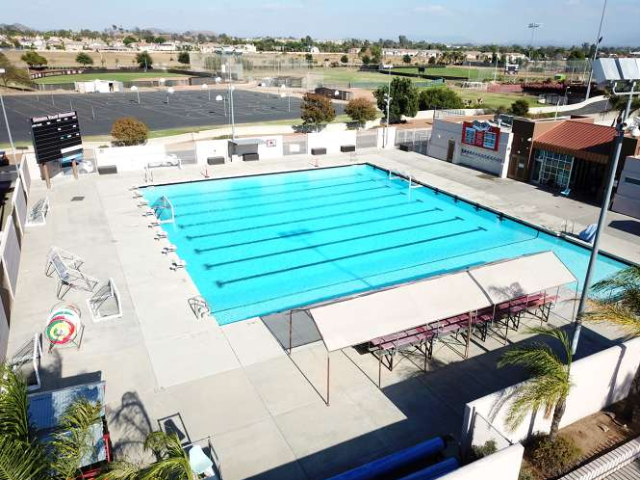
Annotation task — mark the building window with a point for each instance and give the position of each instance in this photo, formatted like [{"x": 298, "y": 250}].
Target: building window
[
  {"x": 552, "y": 169},
  {"x": 632, "y": 180},
  {"x": 470, "y": 136},
  {"x": 489, "y": 140}
]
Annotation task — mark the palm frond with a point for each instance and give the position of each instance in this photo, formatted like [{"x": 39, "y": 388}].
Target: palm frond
[
  {"x": 614, "y": 313},
  {"x": 72, "y": 441},
  {"x": 550, "y": 379},
  {"x": 628, "y": 277},
  {"x": 121, "y": 471},
  {"x": 172, "y": 460},
  {"x": 22, "y": 460},
  {"x": 14, "y": 411}
]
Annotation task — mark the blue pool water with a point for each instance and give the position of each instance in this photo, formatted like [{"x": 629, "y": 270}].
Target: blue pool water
[{"x": 262, "y": 244}]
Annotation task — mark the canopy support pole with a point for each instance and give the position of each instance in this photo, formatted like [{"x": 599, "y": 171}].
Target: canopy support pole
[
  {"x": 466, "y": 350},
  {"x": 380, "y": 370},
  {"x": 290, "y": 330},
  {"x": 328, "y": 374}
]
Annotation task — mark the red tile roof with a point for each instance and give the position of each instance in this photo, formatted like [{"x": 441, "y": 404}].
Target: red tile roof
[{"x": 582, "y": 140}]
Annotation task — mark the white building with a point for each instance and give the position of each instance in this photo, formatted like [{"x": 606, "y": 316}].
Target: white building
[
  {"x": 99, "y": 86},
  {"x": 475, "y": 143}
]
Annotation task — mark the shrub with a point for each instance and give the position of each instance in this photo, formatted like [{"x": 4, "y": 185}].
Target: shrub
[
  {"x": 520, "y": 108},
  {"x": 479, "y": 451},
  {"x": 361, "y": 110},
  {"x": 129, "y": 131},
  {"x": 527, "y": 474},
  {"x": 552, "y": 458},
  {"x": 84, "y": 59},
  {"x": 440, "y": 97},
  {"x": 183, "y": 57},
  {"x": 316, "y": 110},
  {"x": 404, "y": 99}
]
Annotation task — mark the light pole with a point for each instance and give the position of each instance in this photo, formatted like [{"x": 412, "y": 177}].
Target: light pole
[
  {"x": 220, "y": 98},
  {"x": 285, "y": 93},
  {"x": 387, "y": 101},
  {"x": 606, "y": 71},
  {"x": 135, "y": 89},
  {"x": 170, "y": 92},
  {"x": 533, "y": 26},
  {"x": 206, "y": 87},
  {"x": 595, "y": 52},
  {"x": 231, "y": 112},
  {"x": 6, "y": 121}
]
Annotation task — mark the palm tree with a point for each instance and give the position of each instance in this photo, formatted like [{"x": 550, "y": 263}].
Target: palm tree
[
  {"x": 172, "y": 461},
  {"x": 22, "y": 455},
  {"x": 550, "y": 380},
  {"x": 72, "y": 440},
  {"x": 619, "y": 103},
  {"x": 617, "y": 301}
]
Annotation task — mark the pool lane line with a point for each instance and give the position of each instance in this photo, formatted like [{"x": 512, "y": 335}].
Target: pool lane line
[
  {"x": 311, "y": 232},
  {"x": 306, "y": 219},
  {"x": 252, "y": 197},
  {"x": 258, "y": 186},
  {"x": 279, "y": 202},
  {"x": 222, "y": 283},
  {"x": 210, "y": 266},
  {"x": 291, "y": 210},
  {"x": 365, "y": 280}
]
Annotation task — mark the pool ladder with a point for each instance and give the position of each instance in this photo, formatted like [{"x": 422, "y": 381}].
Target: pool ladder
[{"x": 568, "y": 226}]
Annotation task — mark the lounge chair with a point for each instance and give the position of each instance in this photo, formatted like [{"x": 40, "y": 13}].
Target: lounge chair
[
  {"x": 68, "y": 278},
  {"x": 70, "y": 260},
  {"x": 38, "y": 214},
  {"x": 169, "y": 248},
  {"x": 200, "y": 463}
]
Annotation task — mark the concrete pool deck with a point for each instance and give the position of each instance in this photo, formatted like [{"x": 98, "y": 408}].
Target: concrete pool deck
[{"x": 264, "y": 411}]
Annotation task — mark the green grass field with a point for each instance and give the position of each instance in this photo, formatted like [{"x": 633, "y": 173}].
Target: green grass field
[
  {"x": 120, "y": 77},
  {"x": 472, "y": 73},
  {"x": 350, "y": 75},
  {"x": 495, "y": 100}
]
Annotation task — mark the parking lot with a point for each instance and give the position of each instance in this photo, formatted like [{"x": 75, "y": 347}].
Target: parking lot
[{"x": 157, "y": 109}]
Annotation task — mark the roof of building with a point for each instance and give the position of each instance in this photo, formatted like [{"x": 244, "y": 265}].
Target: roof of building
[{"x": 588, "y": 141}]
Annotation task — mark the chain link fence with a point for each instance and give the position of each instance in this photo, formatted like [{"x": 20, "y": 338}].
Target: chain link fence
[
  {"x": 294, "y": 144},
  {"x": 416, "y": 140}
]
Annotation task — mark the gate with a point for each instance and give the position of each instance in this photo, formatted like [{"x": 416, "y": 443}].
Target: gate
[{"x": 416, "y": 140}]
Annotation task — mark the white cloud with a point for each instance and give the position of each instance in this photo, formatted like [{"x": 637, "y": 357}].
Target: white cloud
[{"x": 433, "y": 9}]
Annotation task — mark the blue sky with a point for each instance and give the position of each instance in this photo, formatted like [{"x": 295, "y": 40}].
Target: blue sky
[{"x": 453, "y": 21}]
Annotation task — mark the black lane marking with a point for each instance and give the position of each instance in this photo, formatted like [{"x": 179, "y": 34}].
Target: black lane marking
[
  {"x": 221, "y": 283},
  {"x": 374, "y": 285},
  {"x": 278, "y": 202},
  {"x": 310, "y": 180},
  {"x": 275, "y": 193},
  {"x": 306, "y": 219},
  {"x": 310, "y": 232},
  {"x": 209, "y": 266},
  {"x": 291, "y": 210}
]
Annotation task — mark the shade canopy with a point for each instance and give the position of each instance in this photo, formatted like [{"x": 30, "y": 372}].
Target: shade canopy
[
  {"x": 504, "y": 281},
  {"x": 358, "y": 320}
]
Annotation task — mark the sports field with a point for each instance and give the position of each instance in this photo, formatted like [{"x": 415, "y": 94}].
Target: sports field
[
  {"x": 495, "y": 100},
  {"x": 117, "y": 76},
  {"x": 187, "y": 110},
  {"x": 452, "y": 71}
]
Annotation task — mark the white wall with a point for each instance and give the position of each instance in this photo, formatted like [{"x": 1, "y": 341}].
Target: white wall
[
  {"x": 598, "y": 381},
  {"x": 627, "y": 199},
  {"x": 495, "y": 162},
  {"x": 332, "y": 141},
  {"x": 128, "y": 159},
  {"x": 211, "y": 148},
  {"x": 271, "y": 147},
  {"x": 502, "y": 465}
]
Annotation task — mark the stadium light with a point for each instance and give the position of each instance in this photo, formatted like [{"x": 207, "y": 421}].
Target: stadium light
[
  {"x": 595, "y": 52},
  {"x": 612, "y": 72},
  {"x": 6, "y": 121},
  {"x": 533, "y": 27},
  {"x": 135, "y": 89},
  {"x": 206, "y": 87},
  {"x": 220, "y": 98}
]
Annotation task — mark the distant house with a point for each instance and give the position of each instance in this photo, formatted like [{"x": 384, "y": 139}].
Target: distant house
[
  {"x": 354, "y": 51},
  {"x": 73, "y": 46},
  {"x": 314, "y": 50}
]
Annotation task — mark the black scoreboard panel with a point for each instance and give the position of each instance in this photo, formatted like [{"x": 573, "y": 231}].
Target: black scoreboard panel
[{"x": 56, "y": 137}]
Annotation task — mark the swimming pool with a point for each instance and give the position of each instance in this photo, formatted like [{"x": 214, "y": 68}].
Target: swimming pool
[{"x": 262, "y": 244}]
